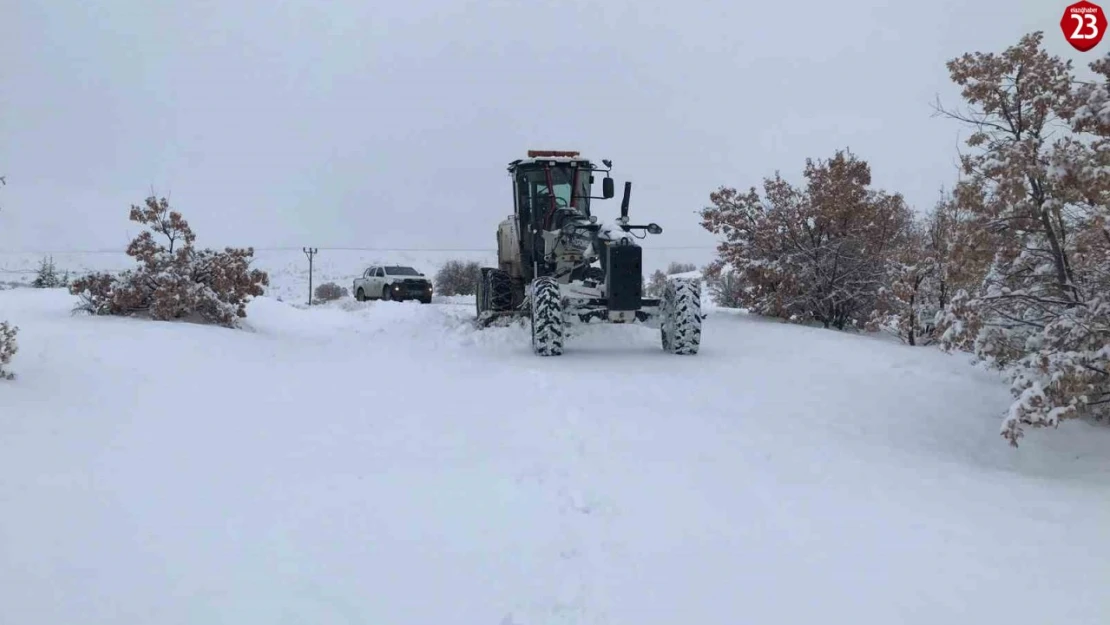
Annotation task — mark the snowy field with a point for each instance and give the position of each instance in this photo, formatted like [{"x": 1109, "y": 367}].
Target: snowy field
[
  {"x": 385, "y": 462},
  {"x": 288, "y": 269}
]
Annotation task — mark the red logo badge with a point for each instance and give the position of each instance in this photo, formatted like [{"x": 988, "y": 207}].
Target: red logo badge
[{"x": 1083, "y": 24}]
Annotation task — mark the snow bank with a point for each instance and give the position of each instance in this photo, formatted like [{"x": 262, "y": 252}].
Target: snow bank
[
  {"x": 387, "y": 462},
  {"x": 688, "y": 274}
]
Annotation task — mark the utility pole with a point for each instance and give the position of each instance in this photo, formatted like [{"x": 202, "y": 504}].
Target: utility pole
[{"x": 310, "y": 252}]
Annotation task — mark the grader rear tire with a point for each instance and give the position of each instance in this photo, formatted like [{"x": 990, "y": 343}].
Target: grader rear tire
[{"x": 495, "y": 291}]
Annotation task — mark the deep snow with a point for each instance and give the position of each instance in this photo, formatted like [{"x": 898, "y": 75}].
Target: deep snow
[{"x": 387, "y": 463}]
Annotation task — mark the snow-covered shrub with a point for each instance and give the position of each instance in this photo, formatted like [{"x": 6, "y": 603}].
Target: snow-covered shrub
[
  {"x": 903, "y": 305},
  {"x": 1039, "y": 157},
  {"x": 457, "y": 277},
  {"x": 807, "y": 254},
  {"x": 724, "y": 285},
  {"x": 8, "y": 348},
  {"x": 655, "y": 284},
  {"x": 175, "y": 280},
  {"x": 330, "y": 291}
]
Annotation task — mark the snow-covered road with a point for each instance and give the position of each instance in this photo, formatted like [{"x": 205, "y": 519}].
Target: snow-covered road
[{"x": 388, "y": 463}]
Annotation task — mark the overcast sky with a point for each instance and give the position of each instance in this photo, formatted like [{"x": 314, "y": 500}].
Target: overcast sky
[{"x": 389, "y": 124}]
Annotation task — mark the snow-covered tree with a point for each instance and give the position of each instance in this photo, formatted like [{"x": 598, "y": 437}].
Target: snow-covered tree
[
  {"x": 940, "y": 253},
  {"x": 655, "y": 284},
  {"x": 47, "y": 275},
  {"x": 8, "y": 344},
  {"x": 906, "y": 300},
  {"x": 1038, "y": 161}
]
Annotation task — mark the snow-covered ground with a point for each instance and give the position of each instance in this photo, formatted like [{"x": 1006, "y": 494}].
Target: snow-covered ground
[
  {"x": 388, "y": 463},
  {"x": 288, "y": 269}
]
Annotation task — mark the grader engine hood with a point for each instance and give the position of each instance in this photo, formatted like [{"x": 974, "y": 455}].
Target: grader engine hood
[
  {"x": 576, "y": 236},
  {"x": 614, "y": 232}
]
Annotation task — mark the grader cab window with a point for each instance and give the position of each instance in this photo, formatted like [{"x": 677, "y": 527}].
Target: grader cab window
[{"x": 536, "y": 193}]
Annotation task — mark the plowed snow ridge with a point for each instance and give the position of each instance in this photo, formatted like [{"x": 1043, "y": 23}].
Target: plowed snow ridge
[{"x": 390, "y": 463}]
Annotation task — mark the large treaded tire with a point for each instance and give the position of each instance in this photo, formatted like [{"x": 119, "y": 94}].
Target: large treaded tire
[
  {"x": 495, "y": 291},
  {"x": 548, "y": 323},
  {"x": 681, "y": 316},
  {"x": 500, "y": 290}
]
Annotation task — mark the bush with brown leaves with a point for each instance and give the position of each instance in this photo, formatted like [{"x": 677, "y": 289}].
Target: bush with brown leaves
[
  {"x": 330, "y": 291},
  {"x": 174, "y": 280},
  {"x": 812, "y": 253}
]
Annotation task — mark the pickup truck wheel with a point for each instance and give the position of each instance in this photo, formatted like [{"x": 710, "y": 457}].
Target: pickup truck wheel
[
  {"x": 360, "y": 295},
  {"x": 385, "y": 294}
]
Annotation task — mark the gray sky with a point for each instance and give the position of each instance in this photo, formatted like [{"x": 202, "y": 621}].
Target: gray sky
[{"x": 389, "y": 124}]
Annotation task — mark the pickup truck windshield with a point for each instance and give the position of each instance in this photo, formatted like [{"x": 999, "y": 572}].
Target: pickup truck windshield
[{"x": 401, "y": 271}]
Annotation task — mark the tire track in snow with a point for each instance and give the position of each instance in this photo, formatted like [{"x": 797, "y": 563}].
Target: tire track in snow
[{"x": 585, "y": 513}]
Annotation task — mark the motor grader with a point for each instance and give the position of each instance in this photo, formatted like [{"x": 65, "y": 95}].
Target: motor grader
[{"x": 559, "y": 263}]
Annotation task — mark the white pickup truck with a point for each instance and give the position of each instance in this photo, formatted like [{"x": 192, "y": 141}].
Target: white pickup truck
[{"x": 392, "y": 282}]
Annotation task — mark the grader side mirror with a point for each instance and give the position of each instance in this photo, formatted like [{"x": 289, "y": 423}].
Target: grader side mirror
[{"x": 607, "y": 189}]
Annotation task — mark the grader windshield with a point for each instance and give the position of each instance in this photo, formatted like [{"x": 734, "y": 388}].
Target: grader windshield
[{"x": 544, "y": 188}]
